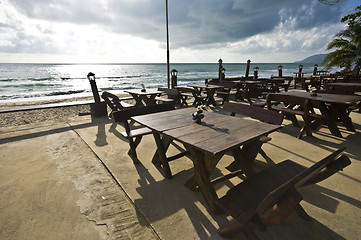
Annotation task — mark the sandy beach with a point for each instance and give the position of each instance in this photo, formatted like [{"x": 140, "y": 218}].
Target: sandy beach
[
  {"x": 35, "y": 116},
  {"x": 41, "y": 115}
]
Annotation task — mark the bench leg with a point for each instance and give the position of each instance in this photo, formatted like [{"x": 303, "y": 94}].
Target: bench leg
[
  {"x": 133, "y": 145},
  {"x": 184, "y": 101},
  {"x": 161, "y": 153},
  {"x": 156, "y": 159}
]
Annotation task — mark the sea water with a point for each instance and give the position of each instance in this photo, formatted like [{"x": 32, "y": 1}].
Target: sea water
[{"x": 28, "y": 82}]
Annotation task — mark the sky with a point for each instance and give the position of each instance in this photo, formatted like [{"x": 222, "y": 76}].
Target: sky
[{"x": 134, "y": 31}]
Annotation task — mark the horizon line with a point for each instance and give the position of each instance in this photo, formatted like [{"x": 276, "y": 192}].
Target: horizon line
[{"x": 133, "y": 63}]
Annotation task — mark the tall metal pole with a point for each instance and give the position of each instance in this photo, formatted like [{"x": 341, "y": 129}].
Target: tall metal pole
[{"x": 168, "y": 72}]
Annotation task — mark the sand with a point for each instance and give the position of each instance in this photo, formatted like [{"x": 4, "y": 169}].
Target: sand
[{"x": 49, "y": 114}]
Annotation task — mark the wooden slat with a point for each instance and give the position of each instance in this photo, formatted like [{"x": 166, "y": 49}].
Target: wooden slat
[
  {"x": 137, "y": 132},
  {"x": 125, "y": 114},
  {"x": 324, "y": 97},
  {"x": 240, "y": 137},
  {"x": 223, "y": 136},
  {"x": 261, "y": 114}
]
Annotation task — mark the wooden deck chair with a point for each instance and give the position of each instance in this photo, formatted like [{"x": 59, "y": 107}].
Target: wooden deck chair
[
  {"x": 268, "y": 197},
  {"x": 258, "y": 113},
  {"x": 124, "y": 115}
]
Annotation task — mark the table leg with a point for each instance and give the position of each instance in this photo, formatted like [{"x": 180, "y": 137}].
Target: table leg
[
  {"x": 329, "y": 120},
  {"x": 166, "y": 143},
  {"x": 161, "y": 153},
  {"x": 210, "y": 97},
  {"x": 340, "y": 111},
  {"x": 202, "y": 179},
  {"x": 149, "y": 100},
  {"x": 210, "y": 163},
  {"x": 198, "y": 90},
  {"x": 138, "y": 100},
  {"x": 242, "y": 160}
]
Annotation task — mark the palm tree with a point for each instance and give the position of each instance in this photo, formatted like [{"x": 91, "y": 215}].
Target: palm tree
[{"x": 348, "y": 47}]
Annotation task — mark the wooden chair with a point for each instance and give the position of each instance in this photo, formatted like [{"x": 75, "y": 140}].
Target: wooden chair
[
  {"x": 124, "y": 115},
  {"x": 295, "y": 106},
  {"x": 114, "y": 102},
  {"x": 188, "y": 92},
  {"x": 268, "y": 197},
  {"x": 258, "y": 113}
]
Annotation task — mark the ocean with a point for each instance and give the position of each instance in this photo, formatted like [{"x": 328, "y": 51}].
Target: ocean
[{"x": 29, "y": 82}]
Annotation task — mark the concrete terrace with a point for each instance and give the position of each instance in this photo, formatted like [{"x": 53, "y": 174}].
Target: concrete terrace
[{"x": 73, "y": 180}]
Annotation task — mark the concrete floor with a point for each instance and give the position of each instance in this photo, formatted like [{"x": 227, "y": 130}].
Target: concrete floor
[{"x": 74, "y": 180}]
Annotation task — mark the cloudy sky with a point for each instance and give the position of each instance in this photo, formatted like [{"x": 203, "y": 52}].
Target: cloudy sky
[{"x": 133, "y": 31}]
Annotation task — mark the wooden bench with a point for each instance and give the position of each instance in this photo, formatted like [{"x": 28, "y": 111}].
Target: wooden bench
[
  {"x": 257, "y": 113},
  {"x": 286, "y": 84},
  {"x": 123, "y": 116},
  {"x": 268, "y": 197},
  {"x": 173, "y": 95},
  {"x": 189, "y": 92},
  {"x": 294, "y": 106},
  {"x": 228, "y": 89},
  {"x": 115, "y": 103}
]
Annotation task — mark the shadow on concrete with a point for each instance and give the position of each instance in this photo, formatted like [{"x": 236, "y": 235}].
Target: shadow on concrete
[{"x": 40, "y": 133}]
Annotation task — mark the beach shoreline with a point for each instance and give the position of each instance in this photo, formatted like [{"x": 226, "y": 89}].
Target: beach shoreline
[{"x": 42, "y": 115}]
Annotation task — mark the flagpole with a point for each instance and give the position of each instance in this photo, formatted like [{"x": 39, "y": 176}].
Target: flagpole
[{"x": 168, "y": 75}]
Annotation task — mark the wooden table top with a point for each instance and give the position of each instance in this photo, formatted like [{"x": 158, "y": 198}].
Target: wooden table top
[
  {"x": 216, "y": 134},
  {"x": 326, "y": 97},
  {"x": 209, "y": 86},
  {"x": 147, "y": 92},
  {"x": 276, "y": 79},
  {"x": 356, "y": 85}
]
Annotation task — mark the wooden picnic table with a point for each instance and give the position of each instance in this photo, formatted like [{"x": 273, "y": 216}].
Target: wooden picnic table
[
  {"x": 275, "y": 83},
  {"x": 144, "y": 98},
  {"x": 343, "y": 87},
  {"x": 207, "y": 142},
  {"x": 332, "y": 106},
  {"x": 210, "y": 89},
  {"x": 247, "y": 89}
]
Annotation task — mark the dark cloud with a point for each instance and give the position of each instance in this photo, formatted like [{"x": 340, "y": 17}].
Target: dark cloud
[{"x": 193, "y": 23}]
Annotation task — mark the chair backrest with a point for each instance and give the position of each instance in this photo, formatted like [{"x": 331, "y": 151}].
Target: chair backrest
[
  {"x": 285, "y": 99},
  {"x": 340, "y": 89},
  {"x": 125, "y": 114},
  {"x": 258, "y": 113},
  {"x": 289, "y": 99},
  {"x": 297, "y": 181},
  {"x": 112, "y": 101}
]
